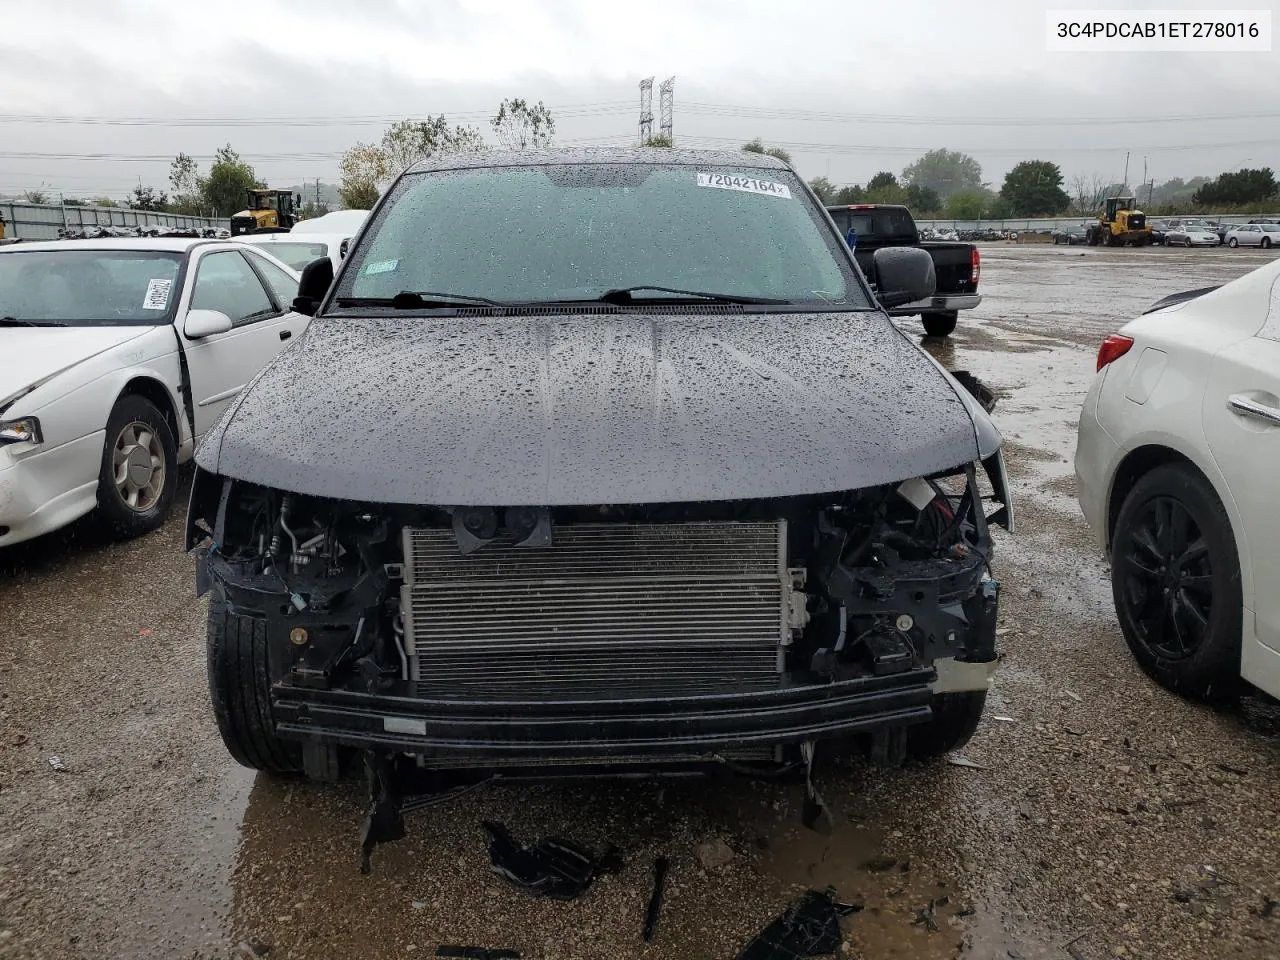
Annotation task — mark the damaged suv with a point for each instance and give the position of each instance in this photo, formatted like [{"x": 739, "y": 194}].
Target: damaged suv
[{"x": 599, "y": 462}]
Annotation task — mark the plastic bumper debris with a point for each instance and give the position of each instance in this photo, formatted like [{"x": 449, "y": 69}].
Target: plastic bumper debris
[
  {"x": 552, "y": 867},
  {"x": 810, "y": 927}
]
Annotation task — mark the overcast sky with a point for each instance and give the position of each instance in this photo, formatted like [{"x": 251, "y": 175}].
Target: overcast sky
[{"x": 849, "y": 87}]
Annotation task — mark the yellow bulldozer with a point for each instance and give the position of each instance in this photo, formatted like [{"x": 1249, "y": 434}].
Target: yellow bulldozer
[
  {"x": 1119, "y": 223},
  {"x": 269, "y": 211}
]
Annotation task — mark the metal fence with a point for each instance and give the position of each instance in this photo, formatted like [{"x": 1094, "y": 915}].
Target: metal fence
[
  {"x": 42, "y": 221},
  {"x": 1052, "y": 223}
]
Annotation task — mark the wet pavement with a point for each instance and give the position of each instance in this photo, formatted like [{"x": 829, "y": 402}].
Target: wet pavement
[{"x": 1104, "y": 817}]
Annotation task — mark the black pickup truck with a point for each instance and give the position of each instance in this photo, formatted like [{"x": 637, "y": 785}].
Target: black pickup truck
[{"x": 956, "y": 265}]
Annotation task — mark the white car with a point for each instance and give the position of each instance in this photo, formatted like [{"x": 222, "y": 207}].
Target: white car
[
  {"x": 1263, "y": 235},
  {"x": 347, "y": 222},
  {"x": 1176, "y": 465},
  {"x": 116, "y": 356},
  {"x": 1190, "y": 234},
  {"x": 299, "y": 250}
]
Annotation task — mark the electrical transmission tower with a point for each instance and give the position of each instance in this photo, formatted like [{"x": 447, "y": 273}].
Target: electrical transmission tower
[
  {"x": 666, "y": 96},
  {"x": 646, "y": 111}
]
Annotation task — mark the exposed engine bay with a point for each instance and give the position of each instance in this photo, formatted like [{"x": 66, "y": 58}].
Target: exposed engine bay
[{"x": 603, "y": 603}]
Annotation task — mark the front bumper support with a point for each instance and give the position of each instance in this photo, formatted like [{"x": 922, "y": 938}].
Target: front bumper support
[{"x": 600, "y": 730}]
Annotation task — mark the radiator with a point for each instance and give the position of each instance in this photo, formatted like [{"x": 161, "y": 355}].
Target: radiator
[{"x": 611, "y": 610}]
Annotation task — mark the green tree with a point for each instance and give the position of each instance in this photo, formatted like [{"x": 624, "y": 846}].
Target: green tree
[
  {"x": 824, "y": 188},
  {"x": 226, "y": 188},
  {"x": 1034, "y": 187},
  {"x": 659, "y": 141},
  {"x": 1239, "y": 188},
  {"x": 410, "y": 141},
  {"x": 851, "y": 194},
  {"x": 147, "y": 198},
  {"x": 944, "y": 172},
  {"x": 923, "y": 199},
  {"x": 521, "y": 126},
  {"x": 881, "y": 180},
  {"x": 184, "y": 180},
  {"x": 39, "y": 195},
  {"x": 364, "y": 169},
  {"x": 311, "y": 209},
  {"x": 757, "y": 146},
  {"x": 105, "y": 202},
  {"x": 966, "y": 205}
]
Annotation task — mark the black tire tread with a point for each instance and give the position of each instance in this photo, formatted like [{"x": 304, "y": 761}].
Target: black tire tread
[
  {"x": 955, "y": 720},
  {"x": 239, "y": 690},
  {"x": 112, "y": 516},
  {"x": 939, "y": 324}
]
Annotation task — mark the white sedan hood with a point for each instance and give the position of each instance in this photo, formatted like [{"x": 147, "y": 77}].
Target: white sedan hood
[{"x": 31, "y": 355}]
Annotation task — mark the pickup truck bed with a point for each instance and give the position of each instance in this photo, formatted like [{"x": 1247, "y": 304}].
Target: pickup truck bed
[{"x": 956, "y": 265}]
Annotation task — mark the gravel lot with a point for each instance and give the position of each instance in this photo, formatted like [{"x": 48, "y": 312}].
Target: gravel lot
[{"x": 1107, "y": 817}]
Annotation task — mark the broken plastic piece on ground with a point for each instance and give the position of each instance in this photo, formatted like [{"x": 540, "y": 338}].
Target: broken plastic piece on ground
[
  {"x": 552, "y": 867},
  {"x": 655, "y": 899},
  {"x": 810, "y": 927},
  {"x": 477, "y": 953},
  {"x": 958, "y": 761},
  {"x": 814, "y": 814}
]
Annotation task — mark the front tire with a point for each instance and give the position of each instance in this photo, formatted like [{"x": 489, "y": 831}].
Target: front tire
[
  {"x": 1175, "y": 579},
  {"x": 939, "y": 324},
  {"x": 955, "y": 720},
  {"x": 239, "y": 690},
  {"x": 137, "y": 479},
  {"x": 1233, "y": 242},
  {"x": 1266, "y": 243}
]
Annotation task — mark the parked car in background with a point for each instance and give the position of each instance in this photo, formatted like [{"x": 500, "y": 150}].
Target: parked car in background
[
  {"x": 1071, "y": 234},
  {"x": 1263, "y": 235},
  {"x": 1190, "y": 233},
  {"x": 297, "y": 250},
  {"x": 116, "y": 357},
  {"x": 345, "y": 222},
  {"x": 1176, "y": 460},
  {"x": 729, "y": 567},
  {"x": 957, "y": 265},
  {"x": 1158, "y": 230}
]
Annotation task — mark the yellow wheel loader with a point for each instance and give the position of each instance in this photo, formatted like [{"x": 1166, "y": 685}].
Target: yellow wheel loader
[
  {"x": 269, "y": 211},
  {"x": 1119, "y": 223}
]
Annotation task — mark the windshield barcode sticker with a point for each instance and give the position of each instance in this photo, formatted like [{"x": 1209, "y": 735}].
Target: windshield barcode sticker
[
  {"x": 728, "y": 181},
  {"x": 157, "y": 297},
  {"x": 380, "y": 266}
]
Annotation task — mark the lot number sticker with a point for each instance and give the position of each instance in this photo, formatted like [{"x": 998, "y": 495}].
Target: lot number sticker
[
  {"x": 727, "y": 181},
  {"x": 157, "y": 297},
  {"x": 380, "y": 266}
]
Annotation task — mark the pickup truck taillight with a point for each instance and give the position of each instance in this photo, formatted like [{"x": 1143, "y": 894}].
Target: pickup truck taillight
[
  {"x": 975, "y": 261},
  {"x": 1113, "y": 348}
]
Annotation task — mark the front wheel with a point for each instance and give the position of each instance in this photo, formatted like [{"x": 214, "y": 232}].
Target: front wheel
[
  {"x": 240, "y": 691},
  {"x": 1233, "y": 242},
  {"x": 1175, "y": 579},
  {"x": 939, "y": 324},
  {"x": 1266, "y": 243},
  {"x": 955, "y": 720},
  {"x": 137, "y": 479}
]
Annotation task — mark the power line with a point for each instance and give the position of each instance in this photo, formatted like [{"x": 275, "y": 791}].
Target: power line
[{"x": 849, "y": 148}]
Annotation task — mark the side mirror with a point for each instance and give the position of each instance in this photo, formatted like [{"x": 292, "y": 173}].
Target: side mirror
[
  {"x": 903, "y": 275},
  {"x": 205, "y": 323},
  {"x": 317, "y": 276}
]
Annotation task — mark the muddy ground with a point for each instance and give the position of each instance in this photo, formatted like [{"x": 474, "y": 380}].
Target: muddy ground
[{"x": 1105, "y": 817}]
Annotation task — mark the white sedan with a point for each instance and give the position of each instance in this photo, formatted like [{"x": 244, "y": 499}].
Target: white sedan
[
  {"x": 116, "y": 357},
  {"x": 299, "y": 249},
  {"x": 1176, "y": 462},
  {"x": 1263, "y": 235}
]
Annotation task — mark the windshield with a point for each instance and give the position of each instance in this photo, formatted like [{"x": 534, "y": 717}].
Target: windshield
[
  {"x": 89, "y": 288},
  {"x": 296, "y": 255},
  {"x": 576, "y": 231}
]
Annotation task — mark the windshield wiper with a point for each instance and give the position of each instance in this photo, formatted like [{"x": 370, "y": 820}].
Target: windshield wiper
[
  {"x": 625, "y": 295},
  {"x": 417, "y": 300},
  {"x": 15, "y": 322}
]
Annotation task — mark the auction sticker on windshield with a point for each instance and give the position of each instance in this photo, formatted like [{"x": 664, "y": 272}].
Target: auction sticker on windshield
[
  {"x": 157, "y": 297},
  {"x": 381, "y": 266},
  {"x": 729, "y": 181}
]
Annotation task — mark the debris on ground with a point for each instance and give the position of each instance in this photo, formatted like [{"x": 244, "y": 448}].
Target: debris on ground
[
  {"x": 810, "y": 927},
  {"x": 477, "y": 953},
  {"x": 927, "y": 916},
  {"x": 714, "y": 854},
  {"x": 1075, "y": 696},
  {"x": 56, "y": 763},
  {"x": 958, "y": 761},
  {"x": 880, "y": 864},
  {"x": 552, "y": 867},
  {"x": 654, "y": 908}
]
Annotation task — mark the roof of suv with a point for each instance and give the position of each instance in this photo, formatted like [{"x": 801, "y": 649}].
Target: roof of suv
[{"x": 600, "y": 155}]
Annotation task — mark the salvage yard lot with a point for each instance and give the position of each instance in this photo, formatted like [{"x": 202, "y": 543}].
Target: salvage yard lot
[{"x": 1103, "y": 813}]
